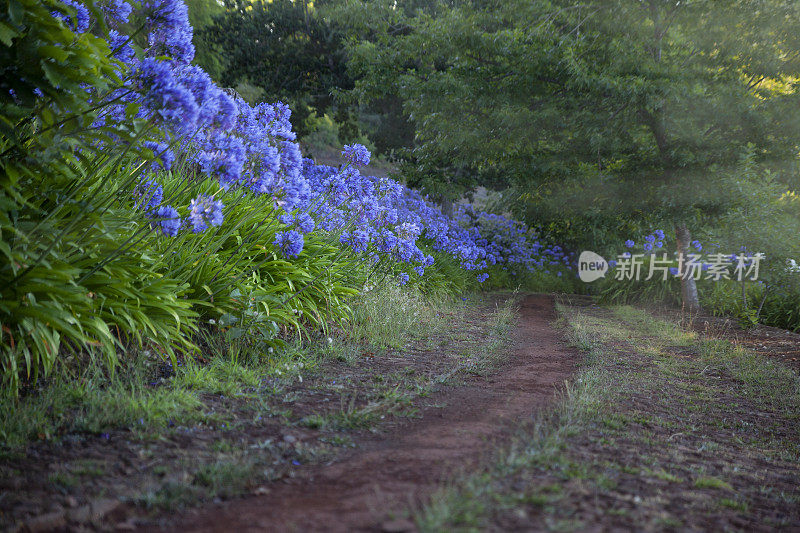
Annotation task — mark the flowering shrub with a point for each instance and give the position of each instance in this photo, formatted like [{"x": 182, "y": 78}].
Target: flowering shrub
[
  {"x": 196, "y": 194},
  {"x": 253, "y": 148}
]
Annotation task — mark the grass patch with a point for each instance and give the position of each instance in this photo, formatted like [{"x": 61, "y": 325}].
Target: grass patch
[{"x": 707, "y": 482}]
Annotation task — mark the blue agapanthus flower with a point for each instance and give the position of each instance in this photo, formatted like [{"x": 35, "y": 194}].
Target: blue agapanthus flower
[
  {"x": 162, "y": 154},
  {"x": 650, "y": 238},
  {"x": 204, "y": 211},
  {"x": 305, "y": 223},
  {"x": 289, "y": 242},
  {"x": 648, "y": 246},
  {"x": 165, "y": 96},
  {"x": 697, "y": 246},
  {"x": 659, "y": 234},
  {"x": 82, "y": 18},
  {"x": 629, "y": 244},
  {"x": 402, "y": 278},
  {"x": 167, "y": 220},
  {"x": 120, "y": 46},
  {"x": 356, "y": 154},
  {"x": 117, "y": 12}
]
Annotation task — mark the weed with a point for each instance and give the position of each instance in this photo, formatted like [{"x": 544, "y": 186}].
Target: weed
[
  {"x": 225, "y": 478},
  {"x": 708, "y": 482}
]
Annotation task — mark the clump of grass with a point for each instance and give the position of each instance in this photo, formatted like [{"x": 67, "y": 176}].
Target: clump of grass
[
  {"x": 389, "y": 316},
  {"x": 225, "y": 478},
  {"x": 95, "y": 402},
  {"x": 709, "y": 482}
]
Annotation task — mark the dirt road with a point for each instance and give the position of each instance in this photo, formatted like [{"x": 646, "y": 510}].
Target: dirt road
[{"x": 368, "y": 489}]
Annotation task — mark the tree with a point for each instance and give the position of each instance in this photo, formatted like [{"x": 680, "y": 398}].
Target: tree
[
  {"x": 635, "y": 102},
  {"x": 284, "y": 48},
  {"x": 207, "y": 54}
]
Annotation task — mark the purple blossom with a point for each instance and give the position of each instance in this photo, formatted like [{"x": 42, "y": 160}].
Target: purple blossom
[
  {"x": 305, "y": 223},
  {"x": 167, "y": 220},
  {"x": 117, "y": 12},
  {"x": 205, "y": 211},
  {"x": 289, "y": 242},
  {"x": 162, "y": 154},
  {"x": 148, "y": 195},
  {"x": 79, "y": 22},
  {"x": 169, "y": 31},
  {"x": 356, "y": 154},
  {"x": 120, "y": 46},
  {"x": 165, "y": 97}
]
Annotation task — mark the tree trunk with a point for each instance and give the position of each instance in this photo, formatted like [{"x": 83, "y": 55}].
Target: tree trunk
[
  {"x": 447, "y": 207},
  {"x": 689, "y": 297}
]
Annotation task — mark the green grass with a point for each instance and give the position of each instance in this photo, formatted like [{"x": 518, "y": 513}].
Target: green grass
[
  {"x": 390, "y": 316},
  {"x": 708, "y": 482},
  {"x": 225, "y": 478},
  {"x": 95, "y": 403}
]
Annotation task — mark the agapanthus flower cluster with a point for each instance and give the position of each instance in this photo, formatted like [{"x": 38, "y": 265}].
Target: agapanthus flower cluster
[
  {"x": 79, "y": 21},
  {"x": 356, "y": 154},
  {"x": 253, "y": 148},
  {"x": 290, "y": 243},
  {"x": 167, "y": 220},
  {"x": 655, "y": 244},
  {"x": 204, "y": 212},
  {"x": 148, "y": 195}
]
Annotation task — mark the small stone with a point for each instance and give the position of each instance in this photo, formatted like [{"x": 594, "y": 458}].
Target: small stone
[
  {"x": 261, "y": 491},
  {"x": 71, "y": 501},
  {"x": 290, "y": 439}
]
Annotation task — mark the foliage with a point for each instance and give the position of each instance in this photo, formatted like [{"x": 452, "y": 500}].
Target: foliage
[
  {"x": 300, "y": 60},
  {"x": 209, "y": 56},
  {"x": 601, "y": 116},
  {"x": 67, "y": 282}
]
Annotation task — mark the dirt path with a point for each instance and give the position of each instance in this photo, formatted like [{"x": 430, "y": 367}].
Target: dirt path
[{"x": 386, "y": 473}]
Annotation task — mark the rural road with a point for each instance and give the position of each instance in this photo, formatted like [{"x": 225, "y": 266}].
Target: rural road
[{"x": 391, "y": 471}]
